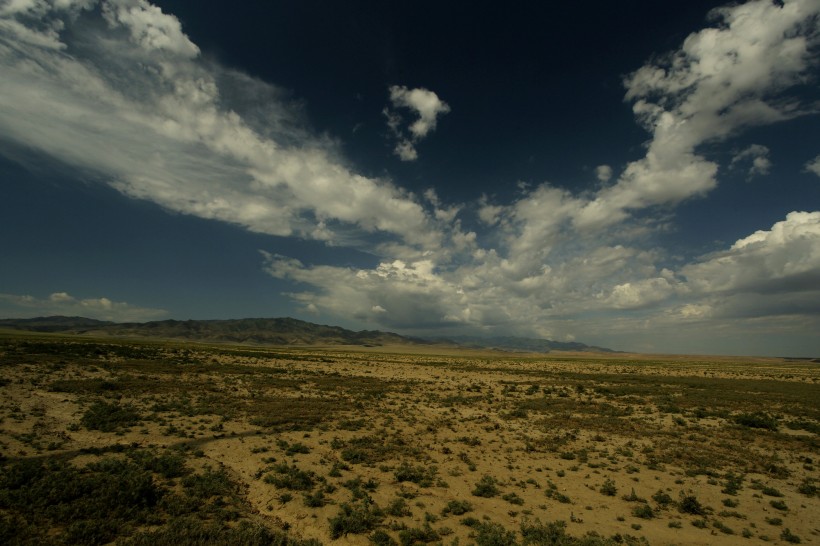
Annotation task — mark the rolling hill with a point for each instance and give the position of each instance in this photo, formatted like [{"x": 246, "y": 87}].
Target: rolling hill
[{"x": 274, "y": 331}]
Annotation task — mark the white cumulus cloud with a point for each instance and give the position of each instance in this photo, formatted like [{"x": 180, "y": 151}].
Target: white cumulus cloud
[
  {"x": 785, "y": 258},
  {"x": 722, "y": 79},
  {"x": 603, "y": 173},
  {"x": 425, "y": 106}
]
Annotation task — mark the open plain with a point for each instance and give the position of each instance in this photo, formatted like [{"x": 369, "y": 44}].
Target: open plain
[{"x": 146, "y": 442}]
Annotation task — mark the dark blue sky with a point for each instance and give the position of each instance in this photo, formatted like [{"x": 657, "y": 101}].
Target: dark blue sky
[{"x": 639, "y": 175}]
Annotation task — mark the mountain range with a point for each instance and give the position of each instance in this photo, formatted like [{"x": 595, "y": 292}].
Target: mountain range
[{"x": 275, "y": 331}]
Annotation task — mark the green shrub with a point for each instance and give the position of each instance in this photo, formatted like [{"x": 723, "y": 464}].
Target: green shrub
[
  {"x": 110, "y": 417},
  {"x": 457, "y": 508},
  {"x": 790, "y": 537},
  {"x": 633, "y": 497},
  {"x": 643, "y": 511},
  {"x": 420, "y": 475},
  {"x": 397, "y": 508},
  {"x": 91, "y": 505},
  {"x": 356, "y": 518},
  {"x": 662, "y": 498},
  {"x": 290, "y": 477},
  {"x": 757, "y": 420},
  {"x": 423, "y": 535},
  {"x": 551, "y": 533},
  {"x": 609, "y": 489},
  {"x": 315, "y": 500},
  {"x": 689, "y": 504},
  {"x": 486, "y": 487},
  {"x": 807, "y": 488},
  {"x": 513, "y": 498},
  {"x": 723, "y": 528},
  {"x": 779, "y": 505},
  {"x": 293, "y": 449},
  {"x": 553, "y": 493},
  {"x": 168, "y": 464},
  {"x": 211, "y": 483},
  {"x": 381, "y": 538},
  {"x": 194, "y": 531},
  {"x": 493, "y": 534},
  {"x": 732, "y": 484}
]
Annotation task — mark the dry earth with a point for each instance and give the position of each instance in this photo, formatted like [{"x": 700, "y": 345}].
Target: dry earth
[{"x": 353, "y": 446}]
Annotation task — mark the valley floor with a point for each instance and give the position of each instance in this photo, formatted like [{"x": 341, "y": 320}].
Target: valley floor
[{"x": 141, "y": 442}]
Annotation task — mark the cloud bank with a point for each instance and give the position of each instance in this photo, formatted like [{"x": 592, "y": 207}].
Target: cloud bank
[{"x": 62, "y": 303}]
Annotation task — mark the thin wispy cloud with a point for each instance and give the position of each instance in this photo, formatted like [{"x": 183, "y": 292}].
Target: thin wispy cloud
[
  {"x": 755, "y": 158},
  {"x": 122, "y": 93},
  {"x": 813, "y": 166}
]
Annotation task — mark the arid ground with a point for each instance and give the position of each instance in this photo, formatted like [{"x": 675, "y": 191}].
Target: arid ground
[{"x": 144, "y": 442}]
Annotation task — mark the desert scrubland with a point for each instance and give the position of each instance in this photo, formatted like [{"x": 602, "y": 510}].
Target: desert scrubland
[{"x": 144, "y": 442}]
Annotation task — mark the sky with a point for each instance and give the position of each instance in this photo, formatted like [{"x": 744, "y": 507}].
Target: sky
[{"x": 639, "y": 175}]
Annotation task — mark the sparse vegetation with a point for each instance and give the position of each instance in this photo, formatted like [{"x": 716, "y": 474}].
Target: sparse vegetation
[{"x": 261, "y": 439}]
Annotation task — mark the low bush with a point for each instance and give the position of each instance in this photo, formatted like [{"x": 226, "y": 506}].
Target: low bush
[
  {"x": 513, "y": 498},
  {"x": 356, "y": 518},
  {"x": 110, "y": 417},
  {"x": 609, "y": 489},
  {"x": 420, "y": 475},
  {"x": 493, "y": 534},
  {"x": 418, "y": 535},
  {"x": 290, "y": 477},
  {"x": 643, "y": 511},
  {"x": 397, "y": 508},
  {"x": 689, "y": 504},
  {"x": 790, "y": 537},
  {"x": 457, "y": 508},
  {"x": 662, "y": 498},
  {"x": 195, "y": 531},
  {"x": 486, "y": 487},
  {"x": 756, "y": 420}
]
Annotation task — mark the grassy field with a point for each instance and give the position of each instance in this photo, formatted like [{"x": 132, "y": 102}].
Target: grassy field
[{"x": 137, "y": 442}]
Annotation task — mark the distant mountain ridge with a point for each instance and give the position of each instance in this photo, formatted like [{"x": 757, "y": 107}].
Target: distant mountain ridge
[
  {"x": 274, "y": 331},
  {"x": 514, "y": 343}
]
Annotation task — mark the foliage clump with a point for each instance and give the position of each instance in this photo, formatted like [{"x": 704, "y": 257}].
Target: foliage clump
[
  {"x": 357, "y": 518},
  {"x": 110, "y": 416},
  {"x": 757, "y": 420},
  {"x": 486, "y": 487}
]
